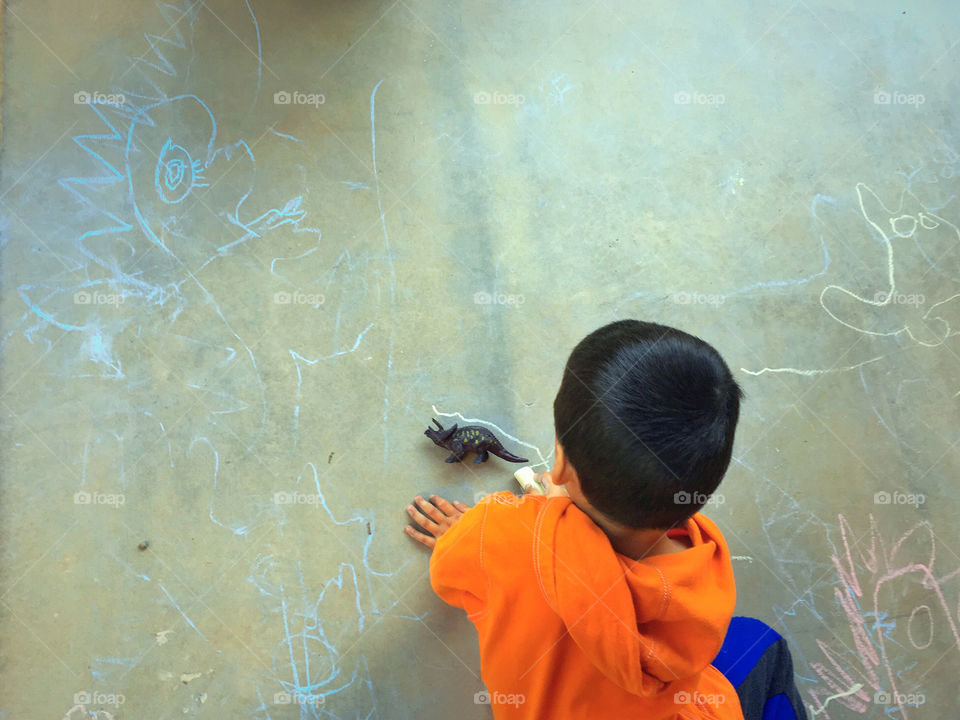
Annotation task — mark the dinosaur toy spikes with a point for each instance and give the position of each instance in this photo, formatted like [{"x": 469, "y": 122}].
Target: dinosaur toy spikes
[{"x": 469, "y": 438}]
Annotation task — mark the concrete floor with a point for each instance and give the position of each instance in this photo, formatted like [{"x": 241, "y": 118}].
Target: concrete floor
[{"x": 227, "y": 320}]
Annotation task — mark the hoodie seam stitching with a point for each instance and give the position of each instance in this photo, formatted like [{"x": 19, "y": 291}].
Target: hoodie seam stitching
[
  {"x": 483, "y": 612},
  {"x": 537, "y": 529},
  {"x": 664, "y": 602},
  {"x": 667, "y": 593},
  {"x": 483, "y": 525},
  {"x": 536, "y": 553}
]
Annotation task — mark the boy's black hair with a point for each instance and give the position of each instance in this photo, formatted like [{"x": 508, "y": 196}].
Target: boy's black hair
[{"x": 646, "y": 416}]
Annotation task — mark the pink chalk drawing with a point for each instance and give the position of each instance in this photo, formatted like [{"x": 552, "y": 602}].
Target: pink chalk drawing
[{"x": 895, "y": 604}]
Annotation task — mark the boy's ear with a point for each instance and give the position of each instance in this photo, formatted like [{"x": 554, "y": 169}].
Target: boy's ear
[{"x": 561, "y": 472}]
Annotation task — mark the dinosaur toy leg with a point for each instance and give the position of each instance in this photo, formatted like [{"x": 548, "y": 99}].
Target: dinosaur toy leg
[
  {"x": 482, "y": 457},
  {"x": 457, "y": 451}
]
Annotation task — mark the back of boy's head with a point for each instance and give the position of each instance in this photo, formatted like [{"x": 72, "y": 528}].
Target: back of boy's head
[{"x": 646, "y": 416}]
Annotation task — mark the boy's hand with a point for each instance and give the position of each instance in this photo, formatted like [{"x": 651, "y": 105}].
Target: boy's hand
[
  {"x": 546, "y": 480},
  {"x": 440, "y": 517}
]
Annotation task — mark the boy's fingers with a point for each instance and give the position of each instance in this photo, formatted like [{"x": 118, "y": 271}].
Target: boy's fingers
[
  {"x": 443, "y": 504},
  {"x": 421, "y": 519},
  {"x": 430, "y": 509},
  {"x": 420, "y": 537},
  {"x": 461, "y": 506}
]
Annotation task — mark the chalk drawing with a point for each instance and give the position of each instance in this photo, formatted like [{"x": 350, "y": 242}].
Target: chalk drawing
[
  {"x": 256, "y": 27},
  {"x": 760, "y": 286},
  {"x": 215, "y": 494},
  {"x": 879, "y": 577},
  {"x": 316, "y": 659},
  {"x": 895, "y": 595},
  {"x": 915, "y": 416},
  {"x": 101, "y": 667},
  {"x": 284, "y": 135},
  {"x": 918, "y": 245},
  {"x": 298, "y": 358},
  {"x": 544, "y": 461},
  {"x": 156, "y": 168},
  {"x": 929, "y": 176},
  {"x": 391, "y": 277},
  {"x": 148, "y": 160},
  {"x": 152, "y": 155},
  {"x": 180, "y": 610},
  {"x": 89, "y": 714},
  {"x": 556, "y": 87},
  {"x": 904, "y": 226}
]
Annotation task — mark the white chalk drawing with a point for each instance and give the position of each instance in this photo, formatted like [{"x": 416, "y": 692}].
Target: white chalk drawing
[{"x": 916, "y": 301}]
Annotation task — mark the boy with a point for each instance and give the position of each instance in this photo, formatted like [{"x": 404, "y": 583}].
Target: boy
[{"x": 611, "y": 596}]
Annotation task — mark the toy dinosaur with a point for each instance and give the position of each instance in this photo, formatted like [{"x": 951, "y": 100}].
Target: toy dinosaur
[{"x": 469, "y": 438}]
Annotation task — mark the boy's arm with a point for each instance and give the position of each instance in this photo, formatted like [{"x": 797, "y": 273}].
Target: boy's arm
[{"x": 456, "y": 570}]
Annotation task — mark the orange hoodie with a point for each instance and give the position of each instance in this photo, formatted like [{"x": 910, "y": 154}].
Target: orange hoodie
[{"x": 570, "y": 629}]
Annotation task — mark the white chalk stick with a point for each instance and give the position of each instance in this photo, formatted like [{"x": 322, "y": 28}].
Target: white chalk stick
[{"x": 528, "y": 481}]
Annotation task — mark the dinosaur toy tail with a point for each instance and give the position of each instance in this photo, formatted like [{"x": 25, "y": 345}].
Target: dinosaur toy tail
[{"x": 508, "y": 456}]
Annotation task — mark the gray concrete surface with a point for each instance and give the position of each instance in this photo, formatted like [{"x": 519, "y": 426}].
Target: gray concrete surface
[{"x": 228, "y": 315}]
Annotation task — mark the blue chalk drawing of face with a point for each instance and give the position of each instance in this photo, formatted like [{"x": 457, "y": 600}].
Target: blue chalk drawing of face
[
  {"x": 170, "y": 154},
  {"x": 177, "y": 174}
]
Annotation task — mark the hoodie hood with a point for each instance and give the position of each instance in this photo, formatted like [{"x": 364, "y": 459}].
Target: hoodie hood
[{"x": 643, "y": 623}]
